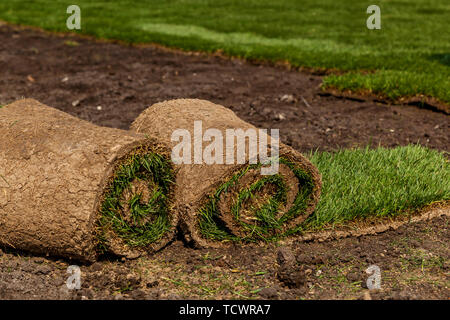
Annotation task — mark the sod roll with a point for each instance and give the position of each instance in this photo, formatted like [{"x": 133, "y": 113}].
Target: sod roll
[
  {"x": 70, "y": 188},
  {"x": 222, "y": 203}
]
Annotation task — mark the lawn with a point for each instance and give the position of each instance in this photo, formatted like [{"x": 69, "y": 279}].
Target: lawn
[
  {"x": 378, "y": 182},
  {"x": 357, "y": 184},
  {"x": 408, "y": 56}
]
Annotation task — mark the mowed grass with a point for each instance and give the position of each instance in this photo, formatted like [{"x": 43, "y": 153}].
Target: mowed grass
[
  {"x": 379, "y": 182},
  {"x": 409, "y": 56}
]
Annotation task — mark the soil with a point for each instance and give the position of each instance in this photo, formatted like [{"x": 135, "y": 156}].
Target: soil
[{"x": 110, "y": 84}]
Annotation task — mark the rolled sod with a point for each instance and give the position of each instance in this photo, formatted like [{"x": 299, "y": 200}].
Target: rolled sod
[
  {"x": 222, "y": 203},
  {"x": 73, "y": 189}
]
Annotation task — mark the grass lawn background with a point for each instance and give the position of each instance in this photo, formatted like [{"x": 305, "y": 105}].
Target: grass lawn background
[
  {"x": 361, "y": 183},
  {"x": 409, "y": 56}
]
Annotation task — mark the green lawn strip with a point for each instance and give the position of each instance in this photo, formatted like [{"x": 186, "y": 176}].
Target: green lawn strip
[
  {"x": 391, "y": 84},
  {"x": 378, "y": 182},
  {"x": 411, "y": 51}
]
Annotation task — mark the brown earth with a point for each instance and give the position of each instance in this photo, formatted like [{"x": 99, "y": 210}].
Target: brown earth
[
  {"x": 77, "y": 76},
  {"x": 110, "y": 84}
]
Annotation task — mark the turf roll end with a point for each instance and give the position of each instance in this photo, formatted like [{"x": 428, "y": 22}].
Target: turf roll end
[
  {"x": 70, "y": 188},
  {"x": 136, "y": 208},
  {"x": 248, "y": 207}
]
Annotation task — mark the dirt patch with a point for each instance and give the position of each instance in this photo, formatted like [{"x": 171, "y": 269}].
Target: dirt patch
[
  {"x": 414, "y": 264},
  {"x": 110, "y": 85}
]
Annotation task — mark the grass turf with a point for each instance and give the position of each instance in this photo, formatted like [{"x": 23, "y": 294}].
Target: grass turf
[
  {"x": 359, "y": 183},
  {"x": 148, "y": 219},
  {"x": 409, "y": 56},
  {"x": 265, "y": 226},
  {"x": 380, "y": 182}
]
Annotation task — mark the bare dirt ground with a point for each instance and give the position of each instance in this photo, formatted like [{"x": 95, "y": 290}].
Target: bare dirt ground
[{"x": 110, "y": 84}]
